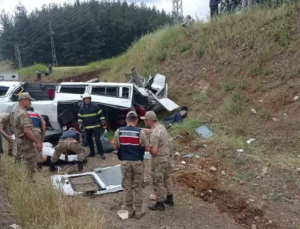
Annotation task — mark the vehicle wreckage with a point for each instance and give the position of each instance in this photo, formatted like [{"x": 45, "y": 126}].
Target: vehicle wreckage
[{"x": 59, "y": 103}]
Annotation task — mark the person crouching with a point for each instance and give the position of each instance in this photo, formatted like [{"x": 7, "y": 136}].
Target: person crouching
[{"x": 70, "y": 140}]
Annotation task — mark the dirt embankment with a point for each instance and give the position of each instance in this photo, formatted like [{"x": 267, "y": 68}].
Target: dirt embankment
[
  {"x": 205, "y": 186},
  {"x": 83, "y": 77}
]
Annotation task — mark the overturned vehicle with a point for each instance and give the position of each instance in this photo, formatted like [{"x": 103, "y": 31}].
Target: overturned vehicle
[{"x": 59, "y": 103}]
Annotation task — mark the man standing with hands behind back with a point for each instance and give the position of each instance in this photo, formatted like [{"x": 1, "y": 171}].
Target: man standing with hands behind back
[
  {"x": 128, "y": 141},
  {"x": 161, "y": 162}
]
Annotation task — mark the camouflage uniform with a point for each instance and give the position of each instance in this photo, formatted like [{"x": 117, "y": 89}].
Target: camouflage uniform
[
  {"x": 68, "y": 144},
  {"x": 26, "y": 148},
  {"x": 133, "y": 177},
  {"x": 38, "y": 135},
  {"x": 161, "y": 163},
  {"x": 37, "y": 122},
  {"x": 5, "y": 121}
]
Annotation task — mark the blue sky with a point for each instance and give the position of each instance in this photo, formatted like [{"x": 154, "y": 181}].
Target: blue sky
[{"x": 191, "y": 7}]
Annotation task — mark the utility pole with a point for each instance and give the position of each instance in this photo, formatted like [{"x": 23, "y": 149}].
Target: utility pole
[
  {"x": 18, "y": 55},
  {"x": 177, "y": 11},
  {"x": 52, "y": 45}
]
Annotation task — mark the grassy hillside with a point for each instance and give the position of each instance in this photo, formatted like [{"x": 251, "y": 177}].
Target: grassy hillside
[
  {"x": 223, "y": 69},
  {"x": 239, "y": 74}
]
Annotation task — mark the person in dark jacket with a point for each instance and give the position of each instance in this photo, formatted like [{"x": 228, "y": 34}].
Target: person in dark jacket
[
  {"x": 213, "y": 5},
  {"x": 90, "y": 119}
]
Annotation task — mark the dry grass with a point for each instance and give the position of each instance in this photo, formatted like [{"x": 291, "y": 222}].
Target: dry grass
[
  {"x": 6, "y": 66},
  {"x": 37, "y": 205}
]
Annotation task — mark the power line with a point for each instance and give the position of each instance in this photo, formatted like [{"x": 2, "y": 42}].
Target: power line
[
  {"x": 42, "y": 25},
  {"x": 81, "y": 26},
  {"x": 34, "y": 45}
]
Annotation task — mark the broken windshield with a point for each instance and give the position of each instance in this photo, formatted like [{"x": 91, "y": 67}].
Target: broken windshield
[{"x": 3, "y": 90}]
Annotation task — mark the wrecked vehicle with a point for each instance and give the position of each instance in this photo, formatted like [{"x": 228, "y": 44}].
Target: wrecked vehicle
[
  {"x": 59, "y": 103},
  {"x": 101, "y": 181},
  {"x": 151, "y": 94}
]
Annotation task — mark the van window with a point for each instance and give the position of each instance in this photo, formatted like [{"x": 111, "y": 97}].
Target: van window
[
  {"x": 110, "y": 91},
  {"x": 3, "y": 90},
  {"x": 98, "y": 91},
  {"x": 125, "y": 92},
  {"x": 73, "y": 89}
]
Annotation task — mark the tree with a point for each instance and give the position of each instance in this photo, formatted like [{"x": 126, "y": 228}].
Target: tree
[{"x": 83, "y": 31}]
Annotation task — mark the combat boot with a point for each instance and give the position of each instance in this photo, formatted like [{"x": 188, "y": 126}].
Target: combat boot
[
  {"x": 160, "y": 206},
  {"x": 91, "y": 155},
  {"x": 40, "y": 166},
  {"x": 169, "y": 201},
  {"x": 80, "y": 165},
  {"x": 102, "y": 155},
  {"x": 139, "y": 212},
  {"x": 10, "y": 153},
  {"x": 130, "y": 210},
  {"x": 52, "y": 167}
]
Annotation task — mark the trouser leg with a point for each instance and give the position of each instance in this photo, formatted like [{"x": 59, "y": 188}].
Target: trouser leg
[
  {"x": 97, "y": 133},
  {"x": 89, "y": 138}
]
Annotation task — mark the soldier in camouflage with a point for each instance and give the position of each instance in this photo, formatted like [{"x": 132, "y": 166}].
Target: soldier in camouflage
[
  {"x": 28, "y": 145},
  {"x": 161, "y": 162},
  {"x": 5, "y": 132},
  {"x": 39, "y": 130},
  {"x": 128, "y": 141}
]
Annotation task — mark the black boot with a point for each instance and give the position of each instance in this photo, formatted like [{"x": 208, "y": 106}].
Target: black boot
[
  {"x": 80, "y": 165},
  {"x": 52, "y": 167},
  {"x": 10, "y": 153},
  {"x": 169, "y": 201},
  {"x": 91, "y": 155},
  {"x": 102, "y": 155},
  {"x": 160, "y": 206},
  {"x": 40, "y": 166}
]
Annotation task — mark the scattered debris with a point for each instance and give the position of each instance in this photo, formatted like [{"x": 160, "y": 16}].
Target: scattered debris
[
  {"x": 264, "y": 197},
  {"x": 123, "y": 214},
  {"x": 214, "y": 169},
  {"x": 101, "y": 181},
  {"x": 183, "y": 162},
  {"x": 189, "y": 155},
  {"x": 15, "y": 226},
  {"x": 177, "y": 136},
  {"x": 275, "y": 119},
  {"x": 153, "y": 197},
  {"x": 260, "y": 101},
  {"x": 176, "y": 155},
  {"x": 223, "y": 172},
  {"x": 250, "y": 140},
  {"x": 296, "y": 98},
  {"x": 204, "y": 131},
  {"x": 240, "y": 150},
  {"x": 253, "y": 111},
  {"x": 197, "y": 156}
]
